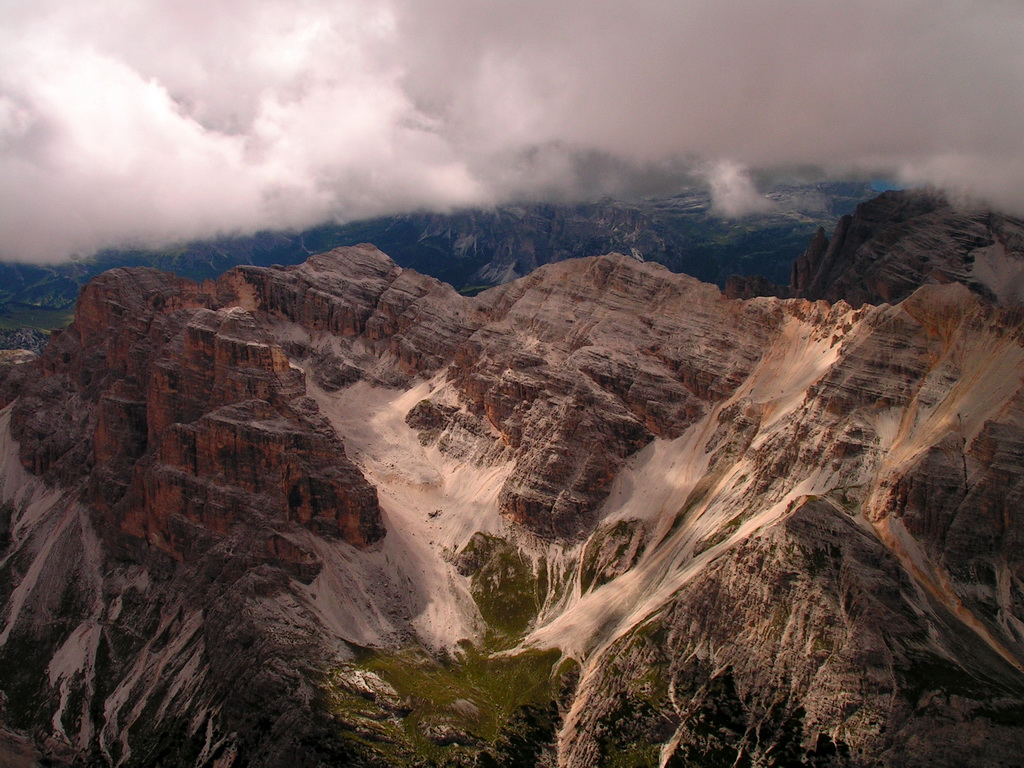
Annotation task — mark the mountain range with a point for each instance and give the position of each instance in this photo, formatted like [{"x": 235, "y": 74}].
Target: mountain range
[
  {"x": 472, "y": 249},
  {"x": 337, "y": 513}
]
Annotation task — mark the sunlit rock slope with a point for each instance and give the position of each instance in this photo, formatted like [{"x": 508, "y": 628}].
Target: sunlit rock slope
[{"x": 338, "y": 514}]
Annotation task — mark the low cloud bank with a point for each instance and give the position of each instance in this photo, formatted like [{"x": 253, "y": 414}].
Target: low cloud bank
[{"x": 129, "y": 123}]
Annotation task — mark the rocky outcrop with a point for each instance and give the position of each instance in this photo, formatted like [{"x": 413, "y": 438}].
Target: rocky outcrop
[
  {"x": 607, "y": 365},
  {"x": 855, "y": 606},
  {"x": 804, "y": 645},
  {"x": 897, "y": 242},
  {"x": 753, "y": 286},
  {"x": 807, "y": 264},
  {"x": 580, "y": 378},
  {"x": 171, "y": 413},
  {"x": 900, "y": 240}
]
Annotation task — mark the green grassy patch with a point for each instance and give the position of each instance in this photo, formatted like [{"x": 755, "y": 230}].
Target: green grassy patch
[
  {"x": 504, "y": 586},
  {"x": 472, "y": 701},
  {"x": 42, "y": 318},
  {"x": 478, "y": 707}
]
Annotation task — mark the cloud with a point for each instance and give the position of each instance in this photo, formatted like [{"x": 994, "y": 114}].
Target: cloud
[
  {"x": 733, "y": 193},
  {"x": 161, "y": 121}
]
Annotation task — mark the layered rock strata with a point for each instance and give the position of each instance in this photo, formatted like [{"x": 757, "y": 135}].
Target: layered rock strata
[{"x": 171, "y": 413}]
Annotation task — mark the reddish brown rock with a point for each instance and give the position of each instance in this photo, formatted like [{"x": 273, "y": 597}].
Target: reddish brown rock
[
  {"x": 807, "y": 264},
  {"x": 246, "y": 463},
  {"x": 826, "y": 543},
  {"x": 172, "y": 411}
]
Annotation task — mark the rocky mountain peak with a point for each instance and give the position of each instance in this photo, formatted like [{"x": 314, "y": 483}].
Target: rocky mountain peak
[
  {"x": 185, "y": 413},
  {"x": 899, "y": 241}
]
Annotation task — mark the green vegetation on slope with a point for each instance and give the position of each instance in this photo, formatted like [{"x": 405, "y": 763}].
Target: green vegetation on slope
[
  {"x": 450, "y": 711},
  {"x": 504, "y": 586}
]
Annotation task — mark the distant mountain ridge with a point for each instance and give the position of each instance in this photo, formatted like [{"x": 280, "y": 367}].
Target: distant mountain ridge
[{"x": 471, "y": 249}]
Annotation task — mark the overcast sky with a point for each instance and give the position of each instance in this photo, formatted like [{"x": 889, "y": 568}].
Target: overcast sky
[{"x": 158, "y": 120}]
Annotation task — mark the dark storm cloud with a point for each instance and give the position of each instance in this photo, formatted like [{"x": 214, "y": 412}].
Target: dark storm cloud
[{"x": 150, "y": 122}]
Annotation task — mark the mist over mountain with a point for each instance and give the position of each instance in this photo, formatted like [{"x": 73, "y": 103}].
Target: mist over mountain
[
  {"x": 893, "y": 244},
  {"x": 395, "y": 384},
  {"x": 475, "y": 248}
]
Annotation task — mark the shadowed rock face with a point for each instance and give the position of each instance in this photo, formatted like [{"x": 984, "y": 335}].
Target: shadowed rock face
[
  {"x": 595, "y": 361},
  {"x": 895, "y": 243},
  {"x": 768, "y": 532}
]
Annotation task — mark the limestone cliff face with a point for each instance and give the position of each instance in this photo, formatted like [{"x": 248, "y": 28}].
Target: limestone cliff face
[
  {"x": 337, "y": 514},
  {"x": 597, "y": 356},
  {"x": 171, "y": 412}
]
